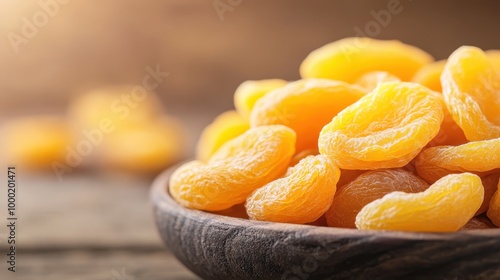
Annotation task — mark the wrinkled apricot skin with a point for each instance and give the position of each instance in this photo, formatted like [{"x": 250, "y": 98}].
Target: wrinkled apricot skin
[
  {"x": 305, "y": 106},
  {"x": 385, "y": 129},
  {"x": 446, "y": 206},
  {"x": 301, "y": 155},
  {"x": 494, "y": 209},
  {"x": 239, "y": 167},
  {"x": 225, "y": 127},
  {"x": 350, "y": 58},
  {"x": 147, "y": 148},
  {"x": 302, "y": 196},
  {"x": 479, "y": 156},
  {"x": 35, "y": 143},
  {"x": 247, "y": 94},
  {"x": 371, "y": 80},
  {"x": 471, "y": 89},
  {"x": 351, "y": 198},
  {"x": 430, "y": 75}
]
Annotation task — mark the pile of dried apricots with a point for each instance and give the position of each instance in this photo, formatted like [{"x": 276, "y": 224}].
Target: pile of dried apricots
[{"x": 376, "y": 135}]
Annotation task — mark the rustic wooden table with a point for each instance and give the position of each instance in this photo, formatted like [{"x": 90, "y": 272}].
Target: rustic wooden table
[{"x": 88, "y": 226}]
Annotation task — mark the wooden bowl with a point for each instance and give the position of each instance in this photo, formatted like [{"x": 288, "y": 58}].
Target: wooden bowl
[{"x": 219, "y": 247}]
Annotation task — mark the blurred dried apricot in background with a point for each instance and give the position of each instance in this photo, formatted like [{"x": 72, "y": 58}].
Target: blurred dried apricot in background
[
  {"x": 145, "y": 148},
  {"x": 128, "y": 128},
  {"x": 122, "y": 106},
  {"x": 37, "y": 142}
]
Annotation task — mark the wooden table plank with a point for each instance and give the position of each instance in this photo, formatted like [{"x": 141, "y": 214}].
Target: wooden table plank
[
  {"x": 88, "y": 226},
  {"x": 85, "y": 210},
  {"x": 98, "y": 265}
]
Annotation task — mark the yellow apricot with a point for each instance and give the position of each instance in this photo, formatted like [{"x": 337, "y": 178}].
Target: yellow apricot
[
  {"x": 430, "y": 75},
  {"x": 305, "y": 106},
  {"x": 471, "y": 90},
  {"x": 494, "y": 209},
  {"x": 240, "y": 166},
  {"x": 302, "y": 196},
  {"x": 147, "y": 148},
  {"x": 121, "y": 106},
  {"x": 371, "y": 80},
  {"x": 36, "y": 142},
  {"x": 249, "y": 92},
  {"x": 350, "y": 58},
  {"x": 225, "y": 127},
  {"x": 446, "y": 206},
  {"x": 494, "y": 58}
]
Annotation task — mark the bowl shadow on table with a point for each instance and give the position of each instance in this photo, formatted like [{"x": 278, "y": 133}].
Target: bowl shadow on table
[{"x": 219, "y": 247}]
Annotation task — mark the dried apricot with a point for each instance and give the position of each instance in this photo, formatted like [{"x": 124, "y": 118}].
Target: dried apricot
[
  {"x": 494, "y": 58},
  {"x": 347, "y": 176},
  {"x": 370, "y": 80},
  {"x": 239, "y": 167},
  {"x": 350, "y": 58},
  {"x": 479, "y": 156},
  {"x": 225, "y": 127},
  {"x": 301, "y": 155},
  {"x": 430, "y": 75},
  {"x": 494, "y": 209},
  {"x": 302, "y": 196},
  {"x": 478, "y": 223},
  {"x": 471, "y": 89},
  {"x": 445, "y": 206},
  {"x": 449, "y": 133},
  {"x": 36, "y": 142},
  {"x": 247, "y": 94},
  {"x": 145, "y": 148},
  {"x": 351, "y": 198},
  {"x": 305, "y": 106},
  {"x": 384, "y": 129},
  {"x": 121, "y": 105},
  {"x": 490, "y": 184}
]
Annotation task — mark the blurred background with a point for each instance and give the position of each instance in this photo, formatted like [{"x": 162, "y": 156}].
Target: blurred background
[{"x": 58, "y": 57}]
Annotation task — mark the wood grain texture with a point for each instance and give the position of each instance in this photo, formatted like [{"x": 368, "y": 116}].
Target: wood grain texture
[
  {"x": 217, "y": 247},
  {"x": 88, "y": 227},
  {"x": 98, "y": 265}
]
